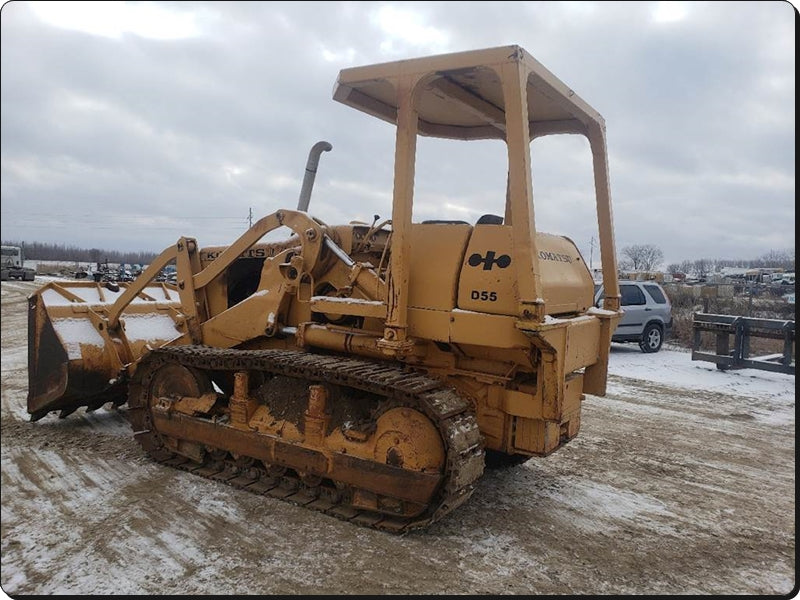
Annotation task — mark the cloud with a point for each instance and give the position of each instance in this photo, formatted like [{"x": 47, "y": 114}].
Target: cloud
[
  {"x": 191, "y": 115},
  {"x": 115, "y": 19}
]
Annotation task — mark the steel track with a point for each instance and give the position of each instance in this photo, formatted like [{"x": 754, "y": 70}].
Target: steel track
[{"x": 451, "y": 414}]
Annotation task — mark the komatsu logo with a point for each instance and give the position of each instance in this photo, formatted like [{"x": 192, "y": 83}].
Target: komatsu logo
[
  {"x": 544, "y": 255},
  {"x": 489, "y": 260}
]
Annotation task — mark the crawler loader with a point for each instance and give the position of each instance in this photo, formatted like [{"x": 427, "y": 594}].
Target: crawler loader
[{"x": 369, "y": 371}]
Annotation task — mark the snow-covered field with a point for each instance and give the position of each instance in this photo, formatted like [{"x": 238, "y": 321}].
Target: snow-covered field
[{"x": 681, "y": 481}]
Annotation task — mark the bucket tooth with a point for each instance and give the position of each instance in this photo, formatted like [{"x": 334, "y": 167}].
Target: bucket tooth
[
  {"x": 38, "y": 415},
  {"x": 67, "y": 412}
]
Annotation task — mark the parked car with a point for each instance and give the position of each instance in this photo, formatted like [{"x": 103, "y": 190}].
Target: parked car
[{"x": 647, "y": 314}]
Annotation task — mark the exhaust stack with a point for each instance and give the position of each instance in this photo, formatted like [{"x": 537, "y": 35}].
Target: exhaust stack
[{"x": 311, "y": 173}]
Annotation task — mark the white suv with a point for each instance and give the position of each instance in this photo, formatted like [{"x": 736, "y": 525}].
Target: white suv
[{"x": 647, "y": 314}]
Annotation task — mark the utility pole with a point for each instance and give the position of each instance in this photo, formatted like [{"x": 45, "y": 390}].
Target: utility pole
[
  {"x": 250, "y": 217},
  {"x": 591, "y": 253}
]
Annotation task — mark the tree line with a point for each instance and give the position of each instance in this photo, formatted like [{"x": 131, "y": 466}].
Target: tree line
[
  {"x": 647, "y": 257},
  {"x": 643, "y": 257},
  {"x": 64, "y": 253}
]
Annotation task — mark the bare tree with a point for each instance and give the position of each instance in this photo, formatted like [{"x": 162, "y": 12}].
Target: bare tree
[
  {"x": 783, "y": 259},
  {"x": 646, "y": 257},
  {"x": 702, "y": 267}
]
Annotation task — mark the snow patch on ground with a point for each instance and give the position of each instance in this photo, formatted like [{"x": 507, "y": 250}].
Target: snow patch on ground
[{"x": 676, "y": 368}]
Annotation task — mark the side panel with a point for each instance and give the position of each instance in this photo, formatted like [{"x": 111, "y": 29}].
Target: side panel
[
  {"x": 583, "y": 343},
  {"x": 47, "y": 360},
  {"x": 437, "y": 251},
  {"x": 489, "y": 276},
  {"x": 566, "y": 281}
]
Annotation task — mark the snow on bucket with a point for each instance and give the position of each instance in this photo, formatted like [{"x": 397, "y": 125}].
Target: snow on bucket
[{"x": 74, "y": 358}]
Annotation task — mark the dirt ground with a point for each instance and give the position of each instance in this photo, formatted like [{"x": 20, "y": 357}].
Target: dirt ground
[{"x": 670, "y": 488}]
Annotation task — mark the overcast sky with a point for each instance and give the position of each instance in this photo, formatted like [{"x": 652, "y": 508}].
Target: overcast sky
[{"x": 127, "y": 125}]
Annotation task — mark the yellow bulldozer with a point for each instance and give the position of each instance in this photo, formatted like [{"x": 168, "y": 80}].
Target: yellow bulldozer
[{"x": 370, "y": 371}]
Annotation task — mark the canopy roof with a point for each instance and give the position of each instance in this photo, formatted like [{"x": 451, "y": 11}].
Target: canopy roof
[{"x": 460, "y": 95}]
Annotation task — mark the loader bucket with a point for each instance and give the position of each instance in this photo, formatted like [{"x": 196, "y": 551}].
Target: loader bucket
[{"x": 73, "y": 359}]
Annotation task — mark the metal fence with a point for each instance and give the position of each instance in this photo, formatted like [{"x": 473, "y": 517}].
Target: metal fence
[{"x": 741, "y": 330}]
